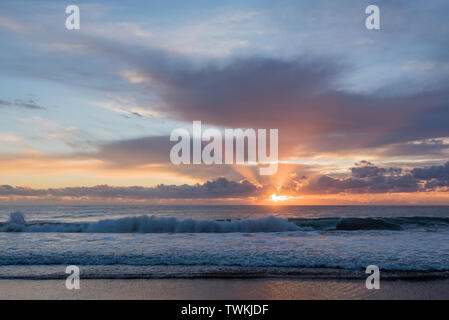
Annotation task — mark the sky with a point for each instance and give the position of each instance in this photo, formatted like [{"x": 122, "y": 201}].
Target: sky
[{"x": 86, "y": 115}]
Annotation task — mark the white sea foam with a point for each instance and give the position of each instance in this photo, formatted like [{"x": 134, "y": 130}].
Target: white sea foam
[
  {"x": 270, "y": 242},
  {"x": 390, "y": 250},
  {"x": 152, "y": 224}
]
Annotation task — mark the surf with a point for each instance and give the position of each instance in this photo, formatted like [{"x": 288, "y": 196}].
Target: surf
[{"x": 152, "y": 224}]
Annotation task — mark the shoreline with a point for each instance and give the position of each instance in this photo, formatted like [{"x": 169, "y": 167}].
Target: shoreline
[
  {"x": 223, "y": 289},
  {"x": 192, "y": 272}
]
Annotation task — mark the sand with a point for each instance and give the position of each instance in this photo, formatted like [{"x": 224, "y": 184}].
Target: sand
[{"x": 203, "y": 289}]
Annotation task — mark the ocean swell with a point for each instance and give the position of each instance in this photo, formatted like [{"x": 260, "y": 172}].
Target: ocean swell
[{"x": 152, "y": 224}]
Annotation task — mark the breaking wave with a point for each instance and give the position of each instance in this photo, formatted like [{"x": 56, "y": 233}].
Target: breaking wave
[{"x": 153, "y": 224}]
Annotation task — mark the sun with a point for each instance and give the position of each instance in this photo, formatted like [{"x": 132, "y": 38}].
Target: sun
[{"x": 276, "y": 198}]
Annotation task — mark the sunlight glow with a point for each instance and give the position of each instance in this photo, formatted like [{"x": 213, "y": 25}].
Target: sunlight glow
[{"x": 277, "y": 198}]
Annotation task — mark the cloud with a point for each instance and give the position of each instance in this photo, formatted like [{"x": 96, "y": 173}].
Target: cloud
[
  {"x": 423, "y": 148},
  {"x": 136, "y": 151},
  {"x": 432, "y": 172},
  {"x": 373, "y": 184},
  {"x": 7, "y": 137},
  {"x": 153, "y": 154},
  {"x": 215, "y": 189},
  {"x": 367, "y": 178},
  {"x": 364, "y": 178},
  {"x": 304, "y": 96},
  {"x": 29, "y": 104},
  {"x": 298, "y": 96},
  {"x": 366, "y": 169},
  {"x": 435, "y": 176},
  {"x": 421, "y": 66},
  {"x": 11, "y": 24}
]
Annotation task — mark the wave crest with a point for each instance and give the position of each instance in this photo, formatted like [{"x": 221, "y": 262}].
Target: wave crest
[{"x": 153, "y": 224}]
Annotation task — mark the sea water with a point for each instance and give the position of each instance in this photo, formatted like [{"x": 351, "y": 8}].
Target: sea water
[{"x": 38, "y": 242}]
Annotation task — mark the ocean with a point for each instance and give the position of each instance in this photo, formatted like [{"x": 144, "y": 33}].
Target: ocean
[{"x": 239, "y": 241}]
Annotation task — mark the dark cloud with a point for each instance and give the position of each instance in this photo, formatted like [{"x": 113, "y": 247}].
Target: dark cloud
[
  {"x": 6, "y": 190},
  {"x": 432, "y": 172},
  {"x": 300, "y": 97},
  {"x": 155, "y": 151},
  {"x": 435, "y": 176},
  {"x": 426, "y": 148},
  {"x": 366, "y": 169},
  {"x": 368, "y": 178},
  {"x": 138, "y": 151},
  {"x": 215, "y": 189},
  {"x": 373, "y": 184},
  {"x": 29, "y": 104}
]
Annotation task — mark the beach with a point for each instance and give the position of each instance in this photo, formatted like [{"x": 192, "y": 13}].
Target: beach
[
  {"x": 223, "y": 252},
  {"x": 229, "y": 289},
  {"x": 224, "y": 150}
]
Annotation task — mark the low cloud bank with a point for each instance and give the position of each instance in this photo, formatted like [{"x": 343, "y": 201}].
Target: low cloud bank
[{"x": 363, "y": 178}]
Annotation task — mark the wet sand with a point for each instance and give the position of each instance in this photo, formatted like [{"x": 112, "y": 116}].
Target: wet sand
[{"x": 211, "y": 289}]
